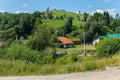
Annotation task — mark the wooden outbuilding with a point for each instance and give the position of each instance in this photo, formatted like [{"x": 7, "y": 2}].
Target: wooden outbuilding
[{"x": 65, "y": 42}]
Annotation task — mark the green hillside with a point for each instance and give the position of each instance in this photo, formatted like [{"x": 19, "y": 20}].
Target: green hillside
[
  {"x": 58, "y": 23},
  {"x": 53, "y": 23},
  {"x": 61, "y": 13},
  {"x": 68, "y": 24}
]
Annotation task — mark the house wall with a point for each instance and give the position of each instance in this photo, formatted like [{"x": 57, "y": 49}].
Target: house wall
[
  {"x": 96, "y": 41},
  {"x": 76, "y": 42},
  {"x": 68, "y": 45}
]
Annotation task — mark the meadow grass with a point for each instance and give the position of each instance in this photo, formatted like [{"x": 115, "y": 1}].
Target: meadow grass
[
  {"x": 61, "y": 13},
  {"x": 53, "y": 23},
  {"x": 14, "y": 68},
  {"x": 58, "y": 23}
]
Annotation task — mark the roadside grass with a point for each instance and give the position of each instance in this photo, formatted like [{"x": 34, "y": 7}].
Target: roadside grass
[{"x": 22, "y": 68}]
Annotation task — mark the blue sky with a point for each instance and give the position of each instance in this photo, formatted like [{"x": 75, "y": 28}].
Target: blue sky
[{"x": 90, "y": 6}]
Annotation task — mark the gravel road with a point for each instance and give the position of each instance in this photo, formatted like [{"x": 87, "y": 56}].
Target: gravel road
[{"x": 108, "y": 74}]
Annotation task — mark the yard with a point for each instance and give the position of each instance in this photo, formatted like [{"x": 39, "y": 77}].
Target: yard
[{"x": 79, "y": 47}]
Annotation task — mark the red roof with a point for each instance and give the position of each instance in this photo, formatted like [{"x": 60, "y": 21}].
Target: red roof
[{"x": 65, "y": 40}]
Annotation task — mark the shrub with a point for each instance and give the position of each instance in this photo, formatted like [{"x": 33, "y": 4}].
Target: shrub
[
  {"x": 108, "y": 47},
  {"x": 47, "y": 58},
  {"x": 21, "y": 52},
  {"x": 101, "y": 64},
  {"x": 90, "y": 65},
  {"x": 69, "y": 58},
  {"x": 2, "y": 51}
]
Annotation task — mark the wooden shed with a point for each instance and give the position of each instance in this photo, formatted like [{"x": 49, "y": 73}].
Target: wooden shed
[{"x": 65, "y": 42}]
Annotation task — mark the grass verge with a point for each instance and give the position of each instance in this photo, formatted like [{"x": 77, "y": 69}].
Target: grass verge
[{"x": 14, "y": 68}]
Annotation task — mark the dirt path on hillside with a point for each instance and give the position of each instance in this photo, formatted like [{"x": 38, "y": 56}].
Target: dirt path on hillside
[{"x": 108, "y": 74}]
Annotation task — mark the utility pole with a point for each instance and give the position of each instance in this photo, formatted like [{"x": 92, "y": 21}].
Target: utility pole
[
  {"x": 84, "y": 44},
  {"x": 16, "y": 37}
]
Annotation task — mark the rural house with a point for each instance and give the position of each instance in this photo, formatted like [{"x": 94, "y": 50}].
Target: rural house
[
  {"x": 96, "y": 41},
  {"x": 65, "y": 42},
  {"x": 113, "y": 36}
]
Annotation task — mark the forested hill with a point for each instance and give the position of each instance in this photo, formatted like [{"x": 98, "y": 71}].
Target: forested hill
[{"x": 60, "y": 22}]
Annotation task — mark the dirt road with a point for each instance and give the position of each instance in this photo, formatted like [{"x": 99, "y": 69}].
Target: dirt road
[{"x": 108, "y": 74}]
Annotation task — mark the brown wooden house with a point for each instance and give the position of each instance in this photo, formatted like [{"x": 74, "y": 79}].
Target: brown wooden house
[{"x": 65, "y": 42}]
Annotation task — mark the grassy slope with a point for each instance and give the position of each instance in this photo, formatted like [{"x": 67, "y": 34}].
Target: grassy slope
[
  {"x": 59, "y": 13},
  {"x": 53, "y": 23},
  {"x": 58, "y": 23}
]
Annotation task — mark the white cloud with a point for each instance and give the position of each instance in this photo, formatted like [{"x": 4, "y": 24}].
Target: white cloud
[
  {"x": 89, "y": 6},
  {"x": 98, "y": 10},
  {"x": 24, "y": 5},
  {"x": 2, "y": 11},
  {"x": 112, "y": 12},
  {"x": 107, "y": 0},
  {"x": 18, "y": 11}
]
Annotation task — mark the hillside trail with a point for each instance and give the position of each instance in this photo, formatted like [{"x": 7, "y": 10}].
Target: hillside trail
[{"x": 108, "y": 74}]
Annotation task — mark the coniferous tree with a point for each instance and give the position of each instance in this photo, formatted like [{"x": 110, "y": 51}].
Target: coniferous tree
[
  {"x": 85, "y": 17},
  {"x": 68, "y": 25}
]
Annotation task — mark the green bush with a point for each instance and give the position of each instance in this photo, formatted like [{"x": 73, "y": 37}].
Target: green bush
[
  {"x": 18, "y": 51},
  {"x": 47, "y": 58},
  {"x": 67, "y": 59},
  {"x": 108, "y": 47},
  {"x": 21, "y": 52},
  {"x": 2, "y": 51},
  {"x": 3, "y": 48},
  {"x": 89, "y": 65}
]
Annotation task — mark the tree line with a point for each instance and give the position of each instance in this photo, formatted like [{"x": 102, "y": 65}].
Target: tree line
[
  {"x": 100, "y": 24},
  {"x": 14, "y": 26},
  {"x": 40, "y": 36}
]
